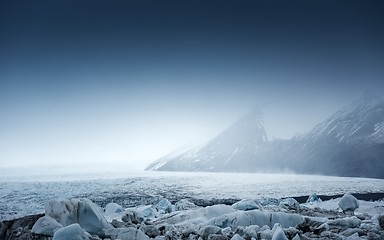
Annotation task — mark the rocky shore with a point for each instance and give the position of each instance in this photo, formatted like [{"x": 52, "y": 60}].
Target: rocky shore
[{"x": 266, "y": 218}]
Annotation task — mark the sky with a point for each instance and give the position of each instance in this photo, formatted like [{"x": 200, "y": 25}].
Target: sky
[{"x": 99, "y": 83}]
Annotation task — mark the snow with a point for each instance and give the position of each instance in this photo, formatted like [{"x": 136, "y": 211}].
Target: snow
[
  {"x": 357, "y": 117},
  {"x": 232, "y": 155},
  {"x": 378, "y": 135},
  {"x": 355, "y": 129}
]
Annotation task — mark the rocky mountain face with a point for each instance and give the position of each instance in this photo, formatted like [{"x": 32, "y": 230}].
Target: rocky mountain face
[
  {"x": 362, "y": 121},
  {"x": 349, "y": 143}
]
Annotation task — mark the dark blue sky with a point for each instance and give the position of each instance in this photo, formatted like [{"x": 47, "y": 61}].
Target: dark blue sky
[{"x": 128, "y": 81}]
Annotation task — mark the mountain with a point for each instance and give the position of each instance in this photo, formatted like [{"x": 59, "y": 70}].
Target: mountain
[
  {"x": 362, "y": 121},
  {"x": 229, "y": 151},
  {"x": 349, "y": 143}
]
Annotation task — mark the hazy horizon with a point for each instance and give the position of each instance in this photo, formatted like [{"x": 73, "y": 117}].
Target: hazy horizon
[{"x": 109, "y": 83}]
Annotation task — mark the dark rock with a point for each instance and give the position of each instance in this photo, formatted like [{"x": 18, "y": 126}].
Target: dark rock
[
  {"x": 132, "y": 217},
  {"x": 20, "y": 228},
  {"x": 351, "y": 231},
  {"x": 118, "y": 224},
  {"x": 309, "y": 226},
  {"x": 151, "y": 230},
  {"x": 187, "y": 232},
  {"x": 372, "y": 235},
  {"x": 208, "y": 230},
  {"x": 381, "y": 221}
]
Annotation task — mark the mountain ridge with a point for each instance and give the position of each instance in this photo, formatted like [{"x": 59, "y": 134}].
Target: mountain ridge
[{"x": 348, "y": 143}]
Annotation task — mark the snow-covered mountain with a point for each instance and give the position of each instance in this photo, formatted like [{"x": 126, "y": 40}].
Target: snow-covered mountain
[
  {"x": 349, "y": 143},
  {"x": 360, "y": 121},
  {"x": 226, "y": 152}
]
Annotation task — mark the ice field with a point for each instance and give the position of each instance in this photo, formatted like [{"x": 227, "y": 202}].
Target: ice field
[{"x": 27, "y": 194}]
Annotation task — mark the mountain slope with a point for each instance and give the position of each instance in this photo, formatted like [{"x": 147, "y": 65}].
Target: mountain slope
[
  {"x": 360, "y": 121},
  {"x": 226, "y": 152},
  {"x": 349, "y": 143}
]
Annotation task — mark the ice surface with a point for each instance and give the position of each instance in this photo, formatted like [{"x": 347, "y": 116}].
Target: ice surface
[
  {"x": 46, "y": 226},
  {"x": 196, "y": 216},
  {"x": 207, "y": 230},
  {"x": 81, "y": 211},
  {"x": 237, "y": 237},
  {"x": 64, "y": 211},
  {"x": 255, "y": 217},
  {"x": 73, "y": 232},
  {"x": 289, "y": 203},
  {"x": 365, "y": 207},
  {"x": 348, "y": 202},
  {"x": 286, "y": 219},
  {"x": 164, "y": 206},
  {"x": 247, "y": 204},
  {"x": 23, "y": 196},
  {"x": 184, "y": 204},
  {"x": 279, "y": 234},
  {"x": 91, "y": 218},
  {"x": 224, "y": 222},
  {"x": 113, "y": 211},
  {"x": 156, "y": 196},
  {"x": 296, "y": 237},
  {"x": 113, "y": 208},
  {"x": 139, "y": 214},
  {"x": 126, "y": 234},
  {"x": 313, "y": 198},
  {"x": 348, "y": 222}
]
